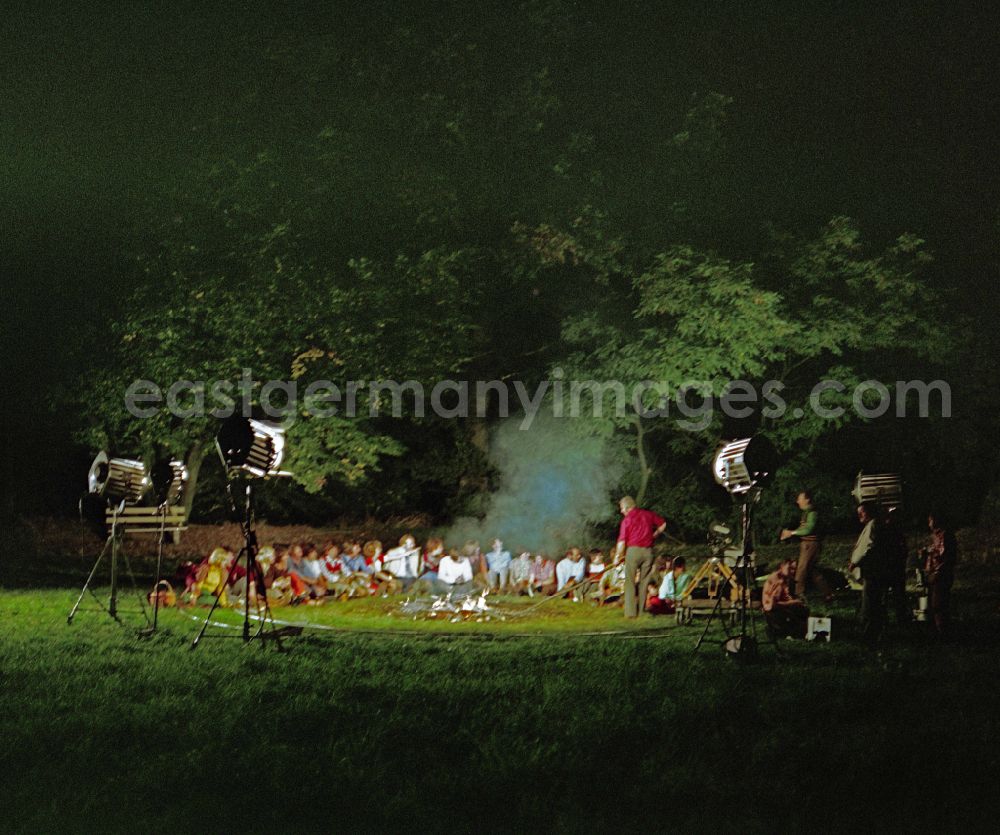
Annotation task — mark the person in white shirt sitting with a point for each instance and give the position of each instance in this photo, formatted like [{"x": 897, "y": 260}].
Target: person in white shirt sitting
[
  {"x": 520, "y": 573},
  {"x": 675, "y": 581},
  {"x": 454, "y": 575},
  {"x": 310, "y": 571},
  {"x": 612, "y": 582},
  {"x": 570, "y": 570},
  {"x": 596, "y": 568},
  {"x": 497, "y": 567},
  {"x": 330, "y": 565},
  {"x": 403, "y": 562}
]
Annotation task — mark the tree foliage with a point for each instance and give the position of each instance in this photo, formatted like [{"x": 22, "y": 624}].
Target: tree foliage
[
  {"x": 233, "y": 285},
  {"x": 816, "y": 309},
  {"x": 435, "y": 204}
]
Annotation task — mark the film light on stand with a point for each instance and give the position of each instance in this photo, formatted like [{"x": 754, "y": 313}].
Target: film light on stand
[
  {"x": 169, "y": 478},
  {"x": 254, "y": 447},
  {"x": 97, "y": 478},
  {"x": 884, "y": 489},
  {"x": 118, "y": 479},
  {"x": 741, "y": 465}
]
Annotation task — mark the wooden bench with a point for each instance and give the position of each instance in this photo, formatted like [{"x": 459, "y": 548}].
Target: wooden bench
[{"x": 147, "y": 520}]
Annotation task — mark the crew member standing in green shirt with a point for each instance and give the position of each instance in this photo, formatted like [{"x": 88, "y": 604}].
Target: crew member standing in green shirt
[{"x": 810, "y": 544}]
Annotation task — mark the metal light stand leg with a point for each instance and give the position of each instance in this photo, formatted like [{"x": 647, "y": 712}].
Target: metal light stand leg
[
  {"x": 135, "y": 585},
  {"x": 113, "y": 541},
  {"x": 249, "y": 551},
  {"x": 264, "y": 612},
  {"x": 115, "y": 545},
  {"x": 748, "y": 624},
  {"x": 159, "y": 564},
  {"x": 250, "y": 546},
  {"x": 255, "y": 574},
  {"x": 708, "y": 624},
  {"x": 218, "y": 597},
  {"x": 86, "y": 585},
  {"x": 747, "y": 631},
  {"x": 745, "y": 646}
]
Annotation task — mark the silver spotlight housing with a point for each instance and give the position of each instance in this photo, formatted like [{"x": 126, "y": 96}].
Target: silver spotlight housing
[
  {"x": 254, "y": 447},
  {"x": 884, "y": 489},
  {"x": 97, "y": 478},
  {"x": 118, "y": 478},
  {"x": 741, "y": 465},
  {"x": 169, "y": 477}
]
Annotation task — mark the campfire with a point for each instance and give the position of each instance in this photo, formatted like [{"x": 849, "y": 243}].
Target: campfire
[{"x": 451, "y": 607}]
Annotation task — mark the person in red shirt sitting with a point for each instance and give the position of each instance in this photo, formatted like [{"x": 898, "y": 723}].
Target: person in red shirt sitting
[
  {"x": 655, "y": 604},
  {"x": 635, "y": 540},
  {"x": 784, "y": 613},
  {"x": 542, "y": 576}
]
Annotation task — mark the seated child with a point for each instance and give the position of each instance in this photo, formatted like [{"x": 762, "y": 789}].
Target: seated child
[
  {"x": 498, "y": 562},
  {"x": 355, "y": 571},
  {"x": 276, "y": 578},
  {"x": 331, "y": 568},
  {"x": 403, "y": 562},
  {"x": 311, "y": 573},
  {"x": 304, "y": 572},
  {"x": 675, "y": 581},
  {"x": 210, "y": 576},
  {"x": 433, "y": 552},
  {"x": 381, "y": 581},
  {"x": 670, "y": 592},
  {"x": 655, "y": 604}
]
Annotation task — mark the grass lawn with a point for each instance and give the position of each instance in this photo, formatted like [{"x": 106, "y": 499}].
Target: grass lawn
[{"x": 473, "y": 727}]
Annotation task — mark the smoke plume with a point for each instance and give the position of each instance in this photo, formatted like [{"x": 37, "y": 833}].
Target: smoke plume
[{"x": 553, "y": 483}]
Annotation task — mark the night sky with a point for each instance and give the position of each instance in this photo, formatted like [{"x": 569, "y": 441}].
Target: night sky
[{"x": 888, "y": 114}]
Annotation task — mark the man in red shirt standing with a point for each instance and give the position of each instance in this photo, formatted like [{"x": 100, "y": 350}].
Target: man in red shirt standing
[{"x": 635, "y": 537}]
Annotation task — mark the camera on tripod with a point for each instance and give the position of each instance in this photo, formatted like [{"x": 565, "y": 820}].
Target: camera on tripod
[{"x": 720, "y": 544}]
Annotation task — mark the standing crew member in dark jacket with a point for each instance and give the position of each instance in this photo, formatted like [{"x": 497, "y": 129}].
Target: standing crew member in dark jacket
[
  {"x": 872, "y": 555},
  {"x": 635, "y": 538}
]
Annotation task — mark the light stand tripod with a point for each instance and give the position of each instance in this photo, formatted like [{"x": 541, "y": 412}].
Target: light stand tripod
[
  {"x": 162, "y": 511},
  {"x": 254, "y": 575},
  {"x": 741, "y": 631},
  {"x": 114, "y": 544}
]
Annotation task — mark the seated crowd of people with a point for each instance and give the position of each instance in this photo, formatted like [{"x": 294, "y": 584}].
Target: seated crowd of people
[{"x": 304, "y": 573}]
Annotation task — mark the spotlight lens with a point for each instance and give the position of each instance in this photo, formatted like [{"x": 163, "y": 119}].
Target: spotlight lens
[
  {"x": 235, "y": 440},
  {"x": 254, "y": 446},
  {"x": 745, "y": 463}
]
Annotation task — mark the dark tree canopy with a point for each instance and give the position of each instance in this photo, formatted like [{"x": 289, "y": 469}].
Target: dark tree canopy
[{"x": 442, "y": 191}]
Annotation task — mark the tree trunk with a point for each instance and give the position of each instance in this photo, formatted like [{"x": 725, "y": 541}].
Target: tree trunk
[
  {"x": 195, "y": 455},
  {"x": 644, "y": 469}
]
